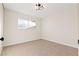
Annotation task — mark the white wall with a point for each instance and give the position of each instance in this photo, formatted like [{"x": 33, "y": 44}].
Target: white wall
[
  {"x": 78, "y": 27},
  {"x": 1, "y": 25},
  {"x": 13, "y": 35},
  {"x": 1, "y": 20},
  {"x": 61, "y": 25}
]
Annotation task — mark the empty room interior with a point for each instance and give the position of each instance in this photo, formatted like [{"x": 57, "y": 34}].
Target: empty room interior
[{"x": 39, "y": 29}]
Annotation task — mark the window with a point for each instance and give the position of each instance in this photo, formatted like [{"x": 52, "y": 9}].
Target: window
[{"x": 24, "y": 24}]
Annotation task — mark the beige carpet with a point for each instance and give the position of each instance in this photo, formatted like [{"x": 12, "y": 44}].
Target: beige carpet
[{"x": 39, "y": 48}]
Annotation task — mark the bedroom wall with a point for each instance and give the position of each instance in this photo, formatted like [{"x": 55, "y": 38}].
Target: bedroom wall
[
  {"x": 13, "y": 35},
  {"x": 61, "y": 25},
  {"x": 1, "y": 25},
  {"x": 78, "y": 27},
  {"x": 1, "y": 20}
]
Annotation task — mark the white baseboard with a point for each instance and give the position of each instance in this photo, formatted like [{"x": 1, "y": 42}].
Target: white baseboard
[
  {"x": 10, "y": 44},
  {"x": 63, "y": 43},
  {"x": 38, "y": 39}
]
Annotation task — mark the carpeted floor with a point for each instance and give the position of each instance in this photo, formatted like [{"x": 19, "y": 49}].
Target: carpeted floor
[{"x": 39, "y": 48}]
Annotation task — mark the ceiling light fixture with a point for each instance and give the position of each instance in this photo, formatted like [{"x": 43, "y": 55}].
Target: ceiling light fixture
[{"x": 39, "y": 6}]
